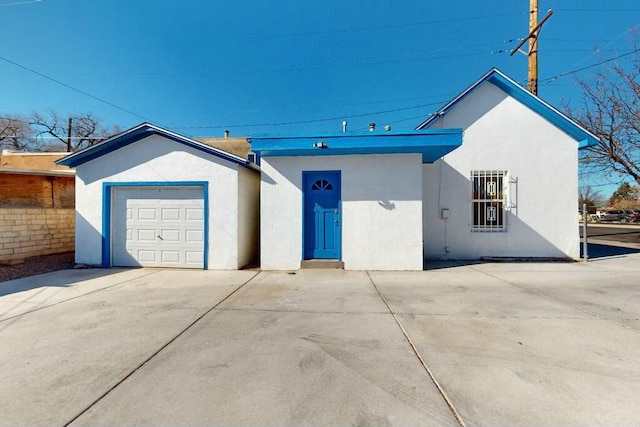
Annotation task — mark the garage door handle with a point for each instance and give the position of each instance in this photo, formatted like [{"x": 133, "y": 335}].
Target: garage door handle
[{"x": 160, "y": 238}]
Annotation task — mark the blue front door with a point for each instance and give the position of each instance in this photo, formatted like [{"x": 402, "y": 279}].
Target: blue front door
[{"x": 322, "y": 217}]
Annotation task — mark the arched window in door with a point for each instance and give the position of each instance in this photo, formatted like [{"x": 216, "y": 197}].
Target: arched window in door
[{"x": 322, "y": 184}]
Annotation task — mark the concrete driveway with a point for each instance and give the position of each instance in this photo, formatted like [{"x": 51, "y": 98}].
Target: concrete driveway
[{"x": 477, "y": 344}]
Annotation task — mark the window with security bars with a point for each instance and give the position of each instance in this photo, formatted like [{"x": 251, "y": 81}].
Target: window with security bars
[{"x": 488, "y": 201}]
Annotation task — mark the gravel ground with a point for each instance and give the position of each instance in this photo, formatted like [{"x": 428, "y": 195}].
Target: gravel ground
[{"x": 37, "y": 265}]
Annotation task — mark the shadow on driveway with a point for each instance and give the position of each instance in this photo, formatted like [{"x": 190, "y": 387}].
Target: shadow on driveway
[
  {"x": 601, "y": 250},
  {"x": 62, "y": 278}
]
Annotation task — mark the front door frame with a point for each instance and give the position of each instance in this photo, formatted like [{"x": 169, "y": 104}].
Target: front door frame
[{"x": 306, "y": 176}]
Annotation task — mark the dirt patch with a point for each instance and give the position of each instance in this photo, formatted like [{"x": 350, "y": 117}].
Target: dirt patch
[{"x": 37, "y": 265}]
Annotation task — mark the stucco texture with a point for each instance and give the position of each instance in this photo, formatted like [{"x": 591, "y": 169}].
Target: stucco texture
[
  {"x": 381, "y": 210},
  {"x": 157, "y": 159},
  {"x": 502, "y": 134}
]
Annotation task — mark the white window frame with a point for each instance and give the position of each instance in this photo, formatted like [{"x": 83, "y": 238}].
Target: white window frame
[{"x": 489, "y": 195}]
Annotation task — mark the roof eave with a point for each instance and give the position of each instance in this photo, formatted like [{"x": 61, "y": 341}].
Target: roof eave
[
  {"x": 142, "y": 131},
  {"x": 432, "y": 144},
  {"x": 513, "y": 89}
]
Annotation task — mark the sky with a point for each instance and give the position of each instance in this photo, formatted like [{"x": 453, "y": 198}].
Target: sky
[{"x": 199, "y": 67}]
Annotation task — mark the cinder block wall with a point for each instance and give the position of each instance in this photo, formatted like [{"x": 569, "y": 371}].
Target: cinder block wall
[{"x": 28, "y": 232}]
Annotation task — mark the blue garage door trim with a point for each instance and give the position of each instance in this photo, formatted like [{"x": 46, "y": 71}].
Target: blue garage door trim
[
  {"x": 321, "y": 215},
  {"x": 107, "y": 191}
]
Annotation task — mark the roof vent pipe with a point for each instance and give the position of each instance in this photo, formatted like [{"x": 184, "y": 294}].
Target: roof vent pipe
[
  {"x": 372, "y": 127},
  {"x": 344, "y": 126},
  {"x": 226, "y": 134}
]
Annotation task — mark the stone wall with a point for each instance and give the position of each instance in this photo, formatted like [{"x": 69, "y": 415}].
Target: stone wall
[{"x": 29, "y": 232}]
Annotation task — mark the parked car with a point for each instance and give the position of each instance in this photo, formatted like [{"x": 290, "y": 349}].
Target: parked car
[
  {"x": 634, "y": 216},
  {"x": 619, "y": 215}
]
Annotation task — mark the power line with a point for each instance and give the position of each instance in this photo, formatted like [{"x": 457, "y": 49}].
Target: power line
[
  {"x": 406, "y": 119},
  {"x": 377, "y": 27},
  {"x": 111, "y": 104},
  {"x": 585, "y": 40},
  {"x": 552, "y": 79},
  {"x": 326, "y": 119},
  {"x": 599, "y": 10},
  {"x": 308, "y": 107},
  {"x": 21, "y": 2},
  {"x": 620, "y": 36},
  {"x": 319, "y": 65}
]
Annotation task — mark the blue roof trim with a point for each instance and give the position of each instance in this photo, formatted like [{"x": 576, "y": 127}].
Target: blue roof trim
[
  {"x": 513, "y": 89},
  {"x": 431, "y": 143},
  {"x": 139, "y": 132}
]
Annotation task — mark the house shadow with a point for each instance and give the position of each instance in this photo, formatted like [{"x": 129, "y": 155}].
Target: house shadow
[
  {"x": 57, "y": 279},
  {"x": 62, "y": 278},
  {"x": 453, "y": 243},
  {"x": 600, "y": 251},
  {"x": 429, "y": 264}
]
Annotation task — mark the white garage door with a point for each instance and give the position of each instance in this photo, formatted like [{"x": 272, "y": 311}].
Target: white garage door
[{"x": 158, "y": 227}]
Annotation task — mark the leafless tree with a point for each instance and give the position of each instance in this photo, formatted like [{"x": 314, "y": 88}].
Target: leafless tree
[
  {"x": 610, "y": 108},
  {"x": 591, "y": 197},
  {"x": 16, "y": 134},
  {"x": 71, "y": 133}
]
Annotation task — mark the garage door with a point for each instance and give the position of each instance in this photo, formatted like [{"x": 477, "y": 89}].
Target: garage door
[{"x": 158, "y": 227}]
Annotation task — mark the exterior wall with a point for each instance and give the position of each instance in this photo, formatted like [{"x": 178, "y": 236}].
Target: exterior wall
[
  {"x": 248, "y": 217},
  {"x": 38, "y": 191},
  {"x": 503, "y": 134},
  {"x": 157, "y": 159},
  {"x": 26, "y": 233},
  {"x": 238, "y": 145},
  {"x": 37, "y": 161},
  {"x": 381, "y": 210}
]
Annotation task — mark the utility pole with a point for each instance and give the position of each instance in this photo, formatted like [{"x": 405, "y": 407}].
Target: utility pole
[
  {"x": 532, "y": 84},
  {"x": 532, "y": 37},
  {"x": 69, "y": 135}
]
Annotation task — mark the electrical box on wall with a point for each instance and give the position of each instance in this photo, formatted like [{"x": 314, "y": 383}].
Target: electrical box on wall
[{"x": 444, "y": 214}]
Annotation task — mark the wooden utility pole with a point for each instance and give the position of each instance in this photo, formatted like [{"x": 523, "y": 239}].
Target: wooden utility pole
[
  {"x": 534, "y": 30},
  {"x": 69, "y": 135},
  {"x": 532, "y": 84}
]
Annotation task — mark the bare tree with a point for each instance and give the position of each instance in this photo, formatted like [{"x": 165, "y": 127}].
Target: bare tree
[
  {"x": 71, "y": 133},
  {"x": 610, "y": 108},
  {"x": 589, "y": 196},
  {"x": 16, "y": 134}
]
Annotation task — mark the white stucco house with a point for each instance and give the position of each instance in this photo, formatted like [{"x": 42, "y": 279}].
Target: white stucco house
[
  {"x": 494, "y": 173},
  {"x": 151, "y": 197},
  {"x": 388, "y": 200},
  {"x": 511, "y": 190}
]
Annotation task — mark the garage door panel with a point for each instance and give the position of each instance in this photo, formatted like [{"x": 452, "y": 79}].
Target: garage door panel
[
  {"x": 170, "y": 214},
  {"x": 146, "y": 214},
  {"x": 145, "y": 255},
  {"x": 170, "y": 235},
  {"x": 172, "y": 257},
  {"x": 194, "y": 257},
  {"x": 192, "y": 236},
  {"x": 146, "y": 235},
  {"x": 194, "y": 214},
  {"x": 158, "y": 226}
]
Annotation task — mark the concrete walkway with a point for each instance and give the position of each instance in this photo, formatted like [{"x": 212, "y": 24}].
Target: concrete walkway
[{"x": 476, "y": 344}]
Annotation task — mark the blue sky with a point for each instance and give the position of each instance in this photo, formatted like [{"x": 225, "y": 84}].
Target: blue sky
[{"x": 199, "y": 67}]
